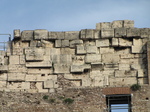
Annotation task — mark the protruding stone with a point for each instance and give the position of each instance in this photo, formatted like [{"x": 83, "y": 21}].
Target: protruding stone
[
  {"x": 128, "y": 24},
  {"x": 117, "y": 24},
  {"x": 115, "y": 42},
  {"x": 17, "y": 34},
  {"x": 27, "y": 35},
  {"x": 40, "y": 34},
  {"x": 125, "y": 42},
  {"x": 103, "y": 25}
]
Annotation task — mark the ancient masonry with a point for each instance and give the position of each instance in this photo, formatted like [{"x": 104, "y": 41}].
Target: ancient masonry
[{"x": 115, "y": 54}]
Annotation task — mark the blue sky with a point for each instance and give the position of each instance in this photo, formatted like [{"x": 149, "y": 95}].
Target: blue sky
[{"x": 69, "y": 15}]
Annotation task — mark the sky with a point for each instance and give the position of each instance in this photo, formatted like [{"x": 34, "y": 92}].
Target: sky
[{"x": 69, "y": 15}]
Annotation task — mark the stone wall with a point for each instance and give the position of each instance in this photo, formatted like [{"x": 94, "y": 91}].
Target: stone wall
[{"x": 113, "y": 54}]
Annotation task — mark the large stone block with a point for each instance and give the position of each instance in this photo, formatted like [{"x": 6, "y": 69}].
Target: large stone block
[
  {"x": 137, "y": 49},
  {"x": 68, "y": 51},
  {"x": 43, "y": 64},
  {"x": 57, "y": 43},
  {"x": 123, "y": 66},
  {"x": 128, "y": 24},
  {"x": 40, "y": 34},
  {"x": 72, "y": 35},
  {"x": 80, "y": 68},
  {"x": 91, "y": 49},
  {"x": 125, "y": 42},
  {"x": 111, "y": 66},
  {"x": 39, "y": 71},
  {"x": 36, "y": 77},
  {"x": 110, "y": 58},
  {"x": 127, "y": 56},
  {"x": 32, "y": 50},
  {"x": 107, "y": 33},
  {"x": 92, "y": 58},
  {"x": 115, "y": 42},
  {"x": 103, "y": 25},
  {"x": 17, "y": 33},
  {"x": 145, "y": 32},
  {"x": 65, "y": 43},
  {"x": 56, "y": 35},
  {"x": 120, "y": 32},
  {"x": 54, "y": 51},
  {"x": 133, "y": 32},
  {"x": 34, "y": 57},
  {"x": 117, "y": 24},
  {"x": 3, "y": 76},
  {"x": 74, "y": 43},
  {"x": 119, "y": 73},
  {"x": 3, "y": 84},
  {"x": 16, "y": 76},
  {"x": 14, "y": 59},
  {"x": 27, "y": 35},
  {"x": 78, "y": 59},
  {"x": 87, "y": 34},
  {"x": 61, "y": 68},
  {"x": 17, "y": 68},
  {"x": 124, "y": 50},
  {"x": 49, "y": 84},
  {"x": 106, "y": 50},
  {"x": 102, "y": 43},
  {"x": 80, "y": 49}
]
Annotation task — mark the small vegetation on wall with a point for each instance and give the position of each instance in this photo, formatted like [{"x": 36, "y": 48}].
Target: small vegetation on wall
[
  {"x": 45, "y": 97},
  {"x": 68, "y": 101},
  {"x": 135, "y": 87}
]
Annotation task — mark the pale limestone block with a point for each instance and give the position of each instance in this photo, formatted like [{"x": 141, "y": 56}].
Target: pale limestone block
[
  {"x": 61, "y": 68},
  {"x": 120, "y": 32},
  {"x": 17, "y": 68},
  {"x": 145, "y": 32},
  {"x": 80, "y": 49},
  {"x": 122, "y": 50},
  {"x": 98, "y": 81},
  {"x": 138, "y": 55},
  {"x": 141, "y": 73},
  {"x": 74, "y": 43},
  {"x": 128, "y": 24},
  {"x": 103, "y": 25},
  {"x": 124, "y": 66},
  {"x": 47, "y": 58},
  {"x": 136, "y": 66},
  {"x": 39, "y": 86},
  {"x": 110, "y": 58},
  {"x": 102, "y": 43},
  {"x": 65, "y": 59},
  {"x": 52, "y": 90},
  {"x": 25, "y": 85},
  {"x": 14, "y": 85},
  {"x": 111, "y": 66},
  {"x": 97, "y": 34},
  {"x": 31, "y": 77},
  {"x": 80, "y": 68},
  {"x": 3, "y": 84},
  {"x": 89, "y": 43},
  {"x": 25, "y": 44},
  {"x": 47, "y": 44},
  {"x": 34, "y": 50},
  {"x": 27, "y": 35},
  {"x": 83, "y": 34},
  {"x": 49, "y": 84},
  {"x": 39, "y": 70},
  {"x": 142, "y": 81},
  {"x": 127, "y": 56},
  {"x": 17, "y": 51},
  {"x": 52, "y": 77},
  {"x": 107, "y": 33},
  {"x": 72, "y": 35},
  {"x": 131, "y": 73},
  {"x": 125, "y": 42},
  {"x": 34, "y": 57},
  {"x": 16, "y": 76},
  {"x": 89, "y": 33},
  {"x": 97, "y": 66},
  {"x": 17, "y": 34},
  {"x": 33, "y": 44},
  {"x": 92, "y": 58},
  {"x": 54, "y": 51},
  {"x": 40, "y": 34},
  {"x": 2, "y": 53},
  {"x": 137, "y": 49},
  {"x": 13, "y": 59},
  {"x": 57, "y": 43},
  {"x": 133, "y": 32},
  {"x": 78, "y": 59},
  {"x": 115, "y": 42},
  {"x": 3, "y": 76},
  {"x": 1, "y": 60},
  {"x": 119, "y": 73},
  {"x": 39, "y": 64},
  {"x": 106, "y": 50},
  {"x": 106, "y": 80},
  {"x": 56, "y": 84},
  {"x": 95, "y": 73},
  {"x": 55, "y": 58},
  {"x": 76, "y": 83},
  {"x": 36, "y": 77},
  {"x": 86, "y": 82},
  {"x": 137, "y": 42},
  {"x": 117, "y": 24},
  {"x": 108, "y": 72},
  {"x": 68, "y": 51},
  {"x": 65, "y": 43},
  {"x": 21, "y": 59},
  {"x": 122, "y": 81},
  {"x": 31, "y": 90},
  {"x": 56, "y": 35},
  {"x": 91, "y": 49}
]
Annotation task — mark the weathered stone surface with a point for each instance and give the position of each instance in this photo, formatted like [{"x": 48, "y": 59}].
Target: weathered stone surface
[
  {"x": 110, "y": 58},
  {"x": 40, "y": 34},
  {"x": 125, "y": 42},
  {"x": 80, "y": 68},
  {"x": 56, "y": 35},
  {"x": 3, "y": 77},
  {"x": 34, "y": 57},
  {"x": 107, "y": 33},
  {"x": 61, "y": 68},
  {"x": 68, "y": 51},
  {"x": 72, "y": 35},
  {"x": 91, "y": 49},
  {"x": 120, "y": 32},
  {"x": 27, "y": 35},
  {"x": 78, "y": 59},
  {"x": 117, "y": 24},
  {"x": 57, "y": 43},
  {"x": 133, "y": 32},
  {"x": 111, "y": 66},
  {"x": 128, "y": 24},
  {"x": 102, "y": 43},
  {"x": 80, "y": 49},
  {"x": 124, "y": 66},
  {"x": 42, "y": 64},
  {"x": 145, "y": 32},
  {"x": 14, "y": 59},
  {"x": 16, "y": 76},
  {"x": 103, "y": 25},
  {"x": 115, "y": 42},
  {"x": 74, "y": 43},
  {"x": 106, "y": 50},
  {"x": 17, "y": 33},
  {"x": 92, "y": 58},
  {"x": 2, "y": 84},
  {"x": 65, "y": 43}
]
